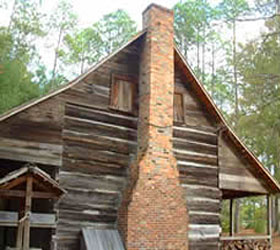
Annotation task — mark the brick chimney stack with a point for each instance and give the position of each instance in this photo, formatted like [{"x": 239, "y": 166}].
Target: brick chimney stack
[{"x": 153, "y": 212}]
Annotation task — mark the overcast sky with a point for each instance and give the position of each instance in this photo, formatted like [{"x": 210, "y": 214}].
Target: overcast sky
[{"x": 90, "y": 11}]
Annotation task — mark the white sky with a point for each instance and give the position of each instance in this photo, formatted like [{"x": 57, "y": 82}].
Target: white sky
[{"x": 90, "y": 11}]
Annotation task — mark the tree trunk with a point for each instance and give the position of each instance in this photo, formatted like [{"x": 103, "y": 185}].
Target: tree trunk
[
  {"x": 235, "y": 81},
  {"x": 56, "y": 57},
  {"x": 277, "y": 6},
  {"x": 213, "y": 70},
  {"x": 198, "y": 53},
  {"x": 203, "y": 56}
]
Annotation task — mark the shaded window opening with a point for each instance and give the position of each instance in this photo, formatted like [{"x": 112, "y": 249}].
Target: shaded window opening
[
  {"x": 179, "y": 114},
  {"x": 123, "y": 93}
]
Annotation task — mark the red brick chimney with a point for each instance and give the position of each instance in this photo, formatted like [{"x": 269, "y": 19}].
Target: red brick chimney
[{"x": 153, "y": 212}]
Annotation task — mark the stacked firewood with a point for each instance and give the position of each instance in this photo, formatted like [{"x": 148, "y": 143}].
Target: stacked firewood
[{"x": 246, "y": 245}]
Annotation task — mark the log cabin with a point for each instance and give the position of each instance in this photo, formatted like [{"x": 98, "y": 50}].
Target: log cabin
[{"x": 137, "y": 152}]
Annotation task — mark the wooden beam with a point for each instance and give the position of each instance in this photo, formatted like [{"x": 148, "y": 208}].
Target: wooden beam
[
  {"x": 28, "y": 203},
  {"x": 269, "y": 217},
  {"x": 22, "y": 193},
  {"x": 231, "y": 218},
  {"x": 14, "y": 183}
]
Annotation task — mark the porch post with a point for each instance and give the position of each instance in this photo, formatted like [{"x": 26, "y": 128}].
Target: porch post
[
  {"x": 269, "y": 217},
  {"x": 28, "y": 202},
  {"x": 231, "y": 218}
]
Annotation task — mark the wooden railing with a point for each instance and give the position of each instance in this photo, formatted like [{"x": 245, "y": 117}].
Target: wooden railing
[
  {"x": 246, "y": 242},
  {"x": 39, "y": 220}
]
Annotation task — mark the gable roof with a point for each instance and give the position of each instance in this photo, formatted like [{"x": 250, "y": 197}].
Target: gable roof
[
  {"x": 39, "y": 174},
  {"x": 200, "y": 91}
]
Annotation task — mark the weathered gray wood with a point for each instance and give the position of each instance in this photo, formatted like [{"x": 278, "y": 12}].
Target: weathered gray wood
[
  {"x": 27, "y": 212},
  {"x": 38, "y": 220},
  {"x": 27, "y": 151},
  {"x": 235, "y": 172},
  {"x": 269, "y": 217},
  {"x": 102, "y": 239},
  {"x": 231, "y": 217}
]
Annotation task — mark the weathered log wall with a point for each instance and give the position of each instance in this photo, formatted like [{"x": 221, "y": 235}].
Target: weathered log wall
[
  {"x": 235, "y": 173},
  {"x": 195, "y": 147},
  {"x": 98, "y": 144},
  {"x": 34, "y": 135}
]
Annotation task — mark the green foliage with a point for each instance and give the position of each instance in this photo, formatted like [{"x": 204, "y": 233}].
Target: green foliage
[
  {"x": 260, "y": 124},
  {"x": 225, "y": 219},
  {"x": 231, "y": 9},
  {"x": 82, "y": 47},
  {"x": 88, "y": 45},
  {"x": 114, "y": 30},
  {"x": 16, "y": 85},
  {"x": 24, "y": 28}
]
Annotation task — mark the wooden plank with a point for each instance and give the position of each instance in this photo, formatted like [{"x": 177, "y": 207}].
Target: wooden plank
[
  {"x": 241, "y": 183},
  {"x": 269, "y": 217},
  {"x": 97, "y": 142},
  {"x": 188, "y": 145},
  {"x": 102, "y": 239},
  {"x": 28, "y": 151},
  {"x": 93, "y": 166},
  {"x": 91, "y": 182},
  {"x": 14, "y": 183},
  {"x": 38, "y": 220},
  {"x": 204, "y": 218},
  {"x": 28, "y": 203},
  {"x": 200, "y": 191},
  {"x": 235, "y": 172},
  {"x": 22, "y": 194},
  {"x": 99, "y": 128},
  {"x": 82, "y": 152},
  {"x": 195, "y": 134},
  {"x": 231, "y": 217},
  {"x": 74, "y": 110}
]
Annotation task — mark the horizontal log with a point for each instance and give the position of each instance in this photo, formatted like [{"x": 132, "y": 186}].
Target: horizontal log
[
  {"x": 37, "y": 220},
  {"x": 93, "y": 167},
  {"x": 93, "y": 182},
  {"x": 198, "y": 181},
  {"x": 87, "y": 206},
  {"x": 204, "y": 206},
  {"x": 204, "y": 218},
  {"x": 195, "y": 134},
  {"x": 110, "y": 117},
  {"x": 82, "y": 152},
  {"x": 195, "y": 157},
  {"x": 22, "y": 194},
  {"x": 99, "y": 128},
  {"x": 204, "y": 230},
  {"x": 98, "y": 142},
  {"x": 200, "y": 191},
  {"x": 188, "y": 145},
  {"x": 82, "y": 97},
  {"x": 88, "y": 215},
  {"x": 241, "y": 183},
  {"x": 21, "y": 150},
  {"x": 75, "y": 196}
]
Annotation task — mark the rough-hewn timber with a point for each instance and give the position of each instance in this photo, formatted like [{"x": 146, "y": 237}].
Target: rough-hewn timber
[{"x": 196, "y": 151}]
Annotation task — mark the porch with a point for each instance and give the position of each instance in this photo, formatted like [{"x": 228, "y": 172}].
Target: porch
[{"x": 246, "y": 237}]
